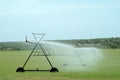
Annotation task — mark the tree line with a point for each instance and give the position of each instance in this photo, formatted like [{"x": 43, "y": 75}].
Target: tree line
[{"x": 112, "y": 43}]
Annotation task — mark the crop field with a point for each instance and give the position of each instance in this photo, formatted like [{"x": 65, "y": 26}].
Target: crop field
[{"x": 108, "y": 68}]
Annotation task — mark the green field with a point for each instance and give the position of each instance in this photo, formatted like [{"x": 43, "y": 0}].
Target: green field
[{"x": 107, "y": 69}]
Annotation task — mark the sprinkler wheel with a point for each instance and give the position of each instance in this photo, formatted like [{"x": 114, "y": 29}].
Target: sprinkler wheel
[
  {"x": 54, "y": 70},
  {"x": 20, "y": 69}
]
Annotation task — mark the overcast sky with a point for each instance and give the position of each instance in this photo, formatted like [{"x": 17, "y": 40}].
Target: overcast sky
[{"x": 59, "y": 19}]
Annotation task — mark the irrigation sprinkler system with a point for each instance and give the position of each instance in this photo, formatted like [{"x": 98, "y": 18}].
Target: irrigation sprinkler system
[{"x": 37, "y": 45}]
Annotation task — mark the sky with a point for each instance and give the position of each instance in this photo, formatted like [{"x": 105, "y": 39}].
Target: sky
[{"x": 59, "y": 19}]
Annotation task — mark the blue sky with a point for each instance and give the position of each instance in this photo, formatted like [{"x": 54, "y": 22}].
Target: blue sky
[{"x": 59, "y": 19}]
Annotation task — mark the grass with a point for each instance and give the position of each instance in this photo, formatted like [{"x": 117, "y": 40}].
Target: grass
[{"x": 107, "y": 69}]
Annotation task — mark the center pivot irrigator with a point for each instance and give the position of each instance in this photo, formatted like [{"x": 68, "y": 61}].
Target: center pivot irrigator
[{"x": 38, "y": 45}]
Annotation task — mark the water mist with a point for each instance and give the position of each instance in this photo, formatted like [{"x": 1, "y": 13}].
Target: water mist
[{"x": 67, "y": 57}]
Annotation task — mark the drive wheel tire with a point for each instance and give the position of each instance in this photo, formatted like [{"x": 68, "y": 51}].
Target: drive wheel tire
[
  {"x": 20, "y": 69},
  {"x": 54, "y": 70}
]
